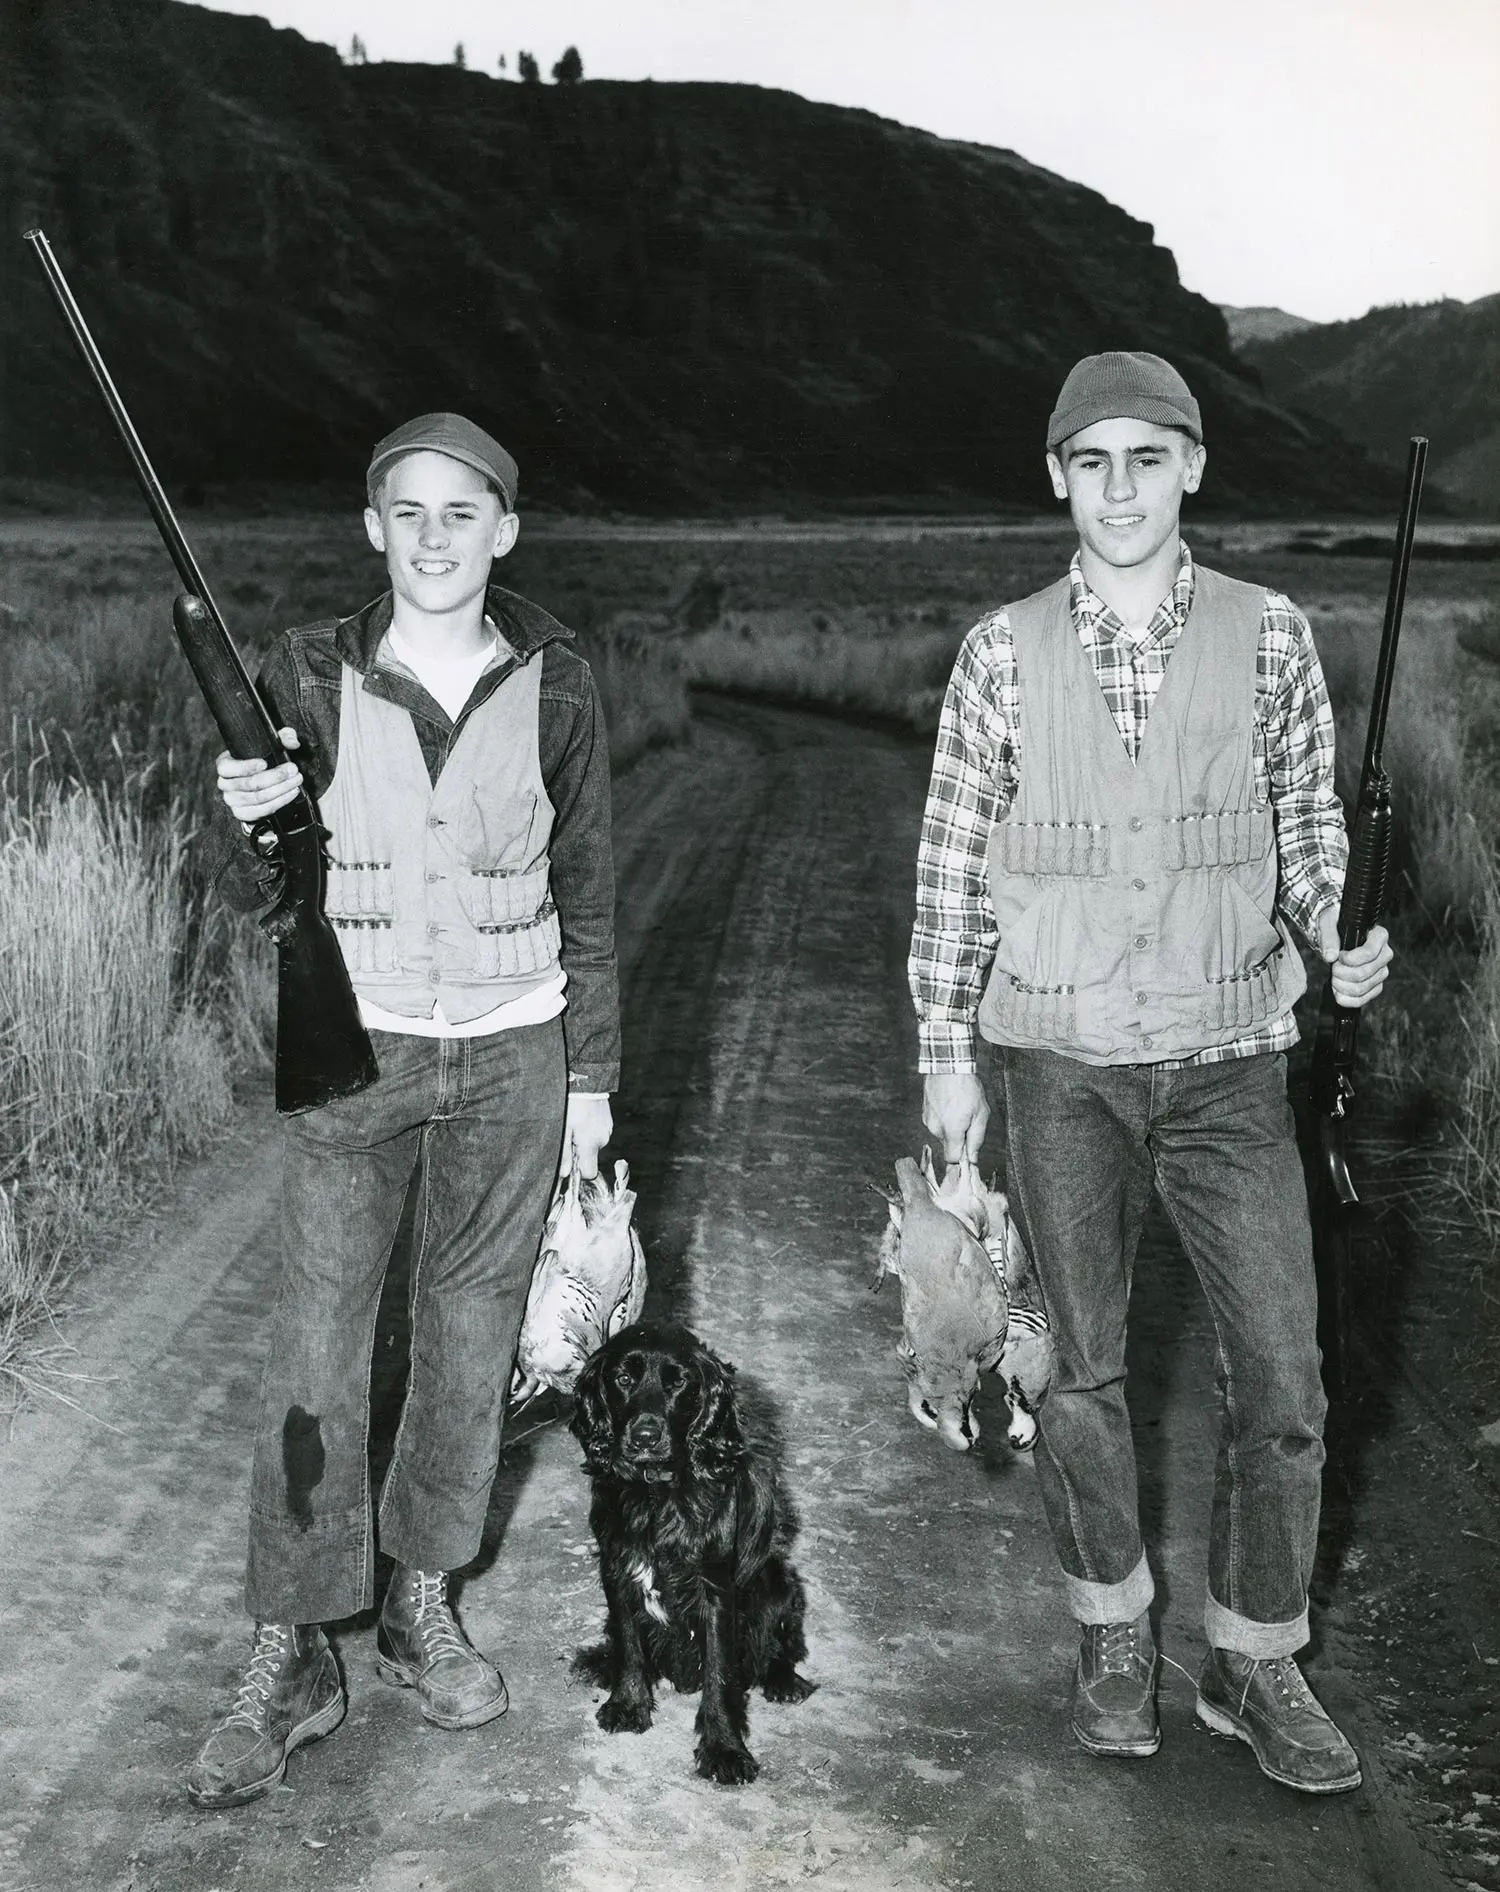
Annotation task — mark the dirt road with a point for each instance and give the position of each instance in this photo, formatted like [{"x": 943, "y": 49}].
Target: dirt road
[{"x": 765, "y": 881}]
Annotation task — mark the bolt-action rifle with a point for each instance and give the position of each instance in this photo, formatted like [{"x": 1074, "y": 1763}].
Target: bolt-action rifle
[
  {"x": 322, "y": 1049},
  {"x": 1331, "y": 1083}
]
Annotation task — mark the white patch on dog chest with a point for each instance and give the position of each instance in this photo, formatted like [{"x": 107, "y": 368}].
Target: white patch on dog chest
[{"x": 642, "y": 1574}]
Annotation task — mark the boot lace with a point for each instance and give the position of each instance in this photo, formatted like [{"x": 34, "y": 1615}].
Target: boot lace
[
  {"x": 433, "y": 1620},
  {"x": 1118, "y": 1648},
  {"x": 272, "y": 1641},
  {"x": 1285, "y": 1677}
]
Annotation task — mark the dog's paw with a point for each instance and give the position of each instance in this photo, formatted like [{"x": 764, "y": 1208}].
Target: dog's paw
[
  {"x": 783, "y": 1683},
  {"x": 622, "y": 1715},
  {"x": 592, "y": 1664},
  {"x": 729, "y": 1766}
]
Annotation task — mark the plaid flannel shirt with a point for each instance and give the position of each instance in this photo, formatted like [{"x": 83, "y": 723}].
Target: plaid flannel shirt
[{"x": 977, "y": 768}]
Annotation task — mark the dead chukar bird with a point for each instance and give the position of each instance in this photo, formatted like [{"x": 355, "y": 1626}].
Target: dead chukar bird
[
  {"x": 589, "y": 1282},
  {"x": 968, "y": 1301}
]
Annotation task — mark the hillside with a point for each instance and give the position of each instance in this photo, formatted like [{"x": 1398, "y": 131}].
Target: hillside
[
  {"x": 1260, "y": 325},
  {"x": 1433, "y": 368},
  {"x": 658, "y": 295}
]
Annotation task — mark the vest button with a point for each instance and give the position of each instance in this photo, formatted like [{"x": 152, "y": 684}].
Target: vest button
[
  {"x": 432, "y": 877},
  {"x": 1145, "y": 1044},
  {"x": 1135, "y": 824},
  {"x": 434, "y": 977},
  {"x": 1139, "y": 885},
  {"x": 434, "y": 821},
  {"x": 1141, "y": 940},
  {"x": 1140, "y": 998},
  {"x": 432, "y": 931}
]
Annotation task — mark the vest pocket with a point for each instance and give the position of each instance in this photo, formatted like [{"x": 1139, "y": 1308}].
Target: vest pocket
[
  {"x": 497, "y": 898},
  {"x": 496, "y": 837},
  {"x": 1246, "y": 989},
  {"x": 1242, "y": 999},
  {"x": 1043, "y": 1014}
]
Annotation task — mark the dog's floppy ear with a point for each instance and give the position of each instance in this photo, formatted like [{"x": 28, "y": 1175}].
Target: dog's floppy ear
[
  {"x": 592, "y": 1423},
  {"x": 713, "y": 1440}
]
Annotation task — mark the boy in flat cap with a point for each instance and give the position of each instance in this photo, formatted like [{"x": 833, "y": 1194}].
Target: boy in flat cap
[
  {"x": 1131, "y": 799},
  {"x": 454, "y": 743}
]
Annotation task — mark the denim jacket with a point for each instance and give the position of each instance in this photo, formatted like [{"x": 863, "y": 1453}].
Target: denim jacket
[{"x": 301, "y": 682}]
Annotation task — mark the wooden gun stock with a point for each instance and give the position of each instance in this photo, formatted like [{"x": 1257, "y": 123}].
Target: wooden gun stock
[{"x": 322, "y": 1049}]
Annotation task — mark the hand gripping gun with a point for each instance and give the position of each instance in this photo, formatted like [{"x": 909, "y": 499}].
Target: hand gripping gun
[
  {"x": 322, "y": 1049},
  {"x": 1331, "y": 1083}
]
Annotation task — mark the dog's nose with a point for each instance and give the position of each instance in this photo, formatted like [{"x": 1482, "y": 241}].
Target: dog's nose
[{"x": 646, "y": 1431}]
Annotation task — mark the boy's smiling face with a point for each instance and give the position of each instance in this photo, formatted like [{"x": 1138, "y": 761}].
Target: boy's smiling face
[
  {"x": 440, "y": 526},
  {"x": 1124, "y": 481}
]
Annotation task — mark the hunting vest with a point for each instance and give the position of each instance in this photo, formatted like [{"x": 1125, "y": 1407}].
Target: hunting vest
[
  {"x": 439, "y": 893},
  {"x": 1136, "y": 902}
]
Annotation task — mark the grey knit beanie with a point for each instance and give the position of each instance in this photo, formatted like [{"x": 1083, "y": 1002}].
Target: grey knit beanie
[{"x": 1125, "y": 384}]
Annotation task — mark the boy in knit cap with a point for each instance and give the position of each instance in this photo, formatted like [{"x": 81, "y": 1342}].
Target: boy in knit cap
[
  {"x": 1131, "y": 800},
  {"x": 454, "y": 743}
]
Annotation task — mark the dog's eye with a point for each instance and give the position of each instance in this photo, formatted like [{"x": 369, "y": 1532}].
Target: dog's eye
[{"x": 672, "y": 1375}]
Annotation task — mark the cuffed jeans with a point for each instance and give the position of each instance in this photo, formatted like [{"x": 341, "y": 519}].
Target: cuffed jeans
[
  {"x": 484, "y": 1117},
  {"x": 1086, "y": 1145}
]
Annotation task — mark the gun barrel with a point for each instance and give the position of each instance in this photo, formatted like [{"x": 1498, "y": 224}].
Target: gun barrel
[
  {"x": 166, "y": 522},
  {"x": 1395, "y": 601}
]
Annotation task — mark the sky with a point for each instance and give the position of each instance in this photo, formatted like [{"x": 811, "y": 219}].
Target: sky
[{"x": 1320, "y": 156}]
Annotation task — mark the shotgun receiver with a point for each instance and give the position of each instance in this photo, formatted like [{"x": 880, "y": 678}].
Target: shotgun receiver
[
  {"x": 322, "y": 1049},
  {"x": 1331, "y": 1083}
]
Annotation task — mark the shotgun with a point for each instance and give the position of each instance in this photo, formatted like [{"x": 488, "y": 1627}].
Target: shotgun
[
  {"x": 322, "y": 1049},
  {"x": 1331, "y": 1082}
]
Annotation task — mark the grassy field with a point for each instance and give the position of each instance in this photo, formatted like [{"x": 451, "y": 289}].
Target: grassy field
[{"x": 130, "y": 1002}]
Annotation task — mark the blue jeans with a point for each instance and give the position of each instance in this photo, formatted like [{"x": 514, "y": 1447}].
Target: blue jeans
[
  {"x": 484, "y": 1117},
  {"x": 1086, "y": 1145}
]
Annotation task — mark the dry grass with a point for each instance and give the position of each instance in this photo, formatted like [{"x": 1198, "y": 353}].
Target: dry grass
[
  {"x": 1479, "y": 1098},
  {"x": 1433, "y": 746},
  {"x": 111, "y": 1067},
  {"x": 859, "y": 661}
]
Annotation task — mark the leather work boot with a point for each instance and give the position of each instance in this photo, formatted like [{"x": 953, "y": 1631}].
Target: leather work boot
[
  {"x": 1266, "y": 1701},
  {"x": 1114, "y": 1689},
  {"x": 419, "y": 1645},
  {"x": 291, "y": 1694}
]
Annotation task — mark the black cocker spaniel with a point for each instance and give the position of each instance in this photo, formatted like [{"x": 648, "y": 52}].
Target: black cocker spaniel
[{"x": 693, "y": 1530}]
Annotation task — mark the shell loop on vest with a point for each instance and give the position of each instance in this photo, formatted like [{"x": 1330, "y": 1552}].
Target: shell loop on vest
[
  {"x": 1053, "y": 847},
  {"x": 1242, "y": 1000},
  {"x": 358, "y": 890},
  {"x": 1031, "y": 1013},
  {"x": 500, "y": 901},
  {"x": 1229, "y": 839}
]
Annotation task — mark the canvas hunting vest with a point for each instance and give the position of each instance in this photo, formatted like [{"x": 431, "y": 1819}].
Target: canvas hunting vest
[
  {"x": 1136, "y": 901},
  {"x": 439, "y": 893}
]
